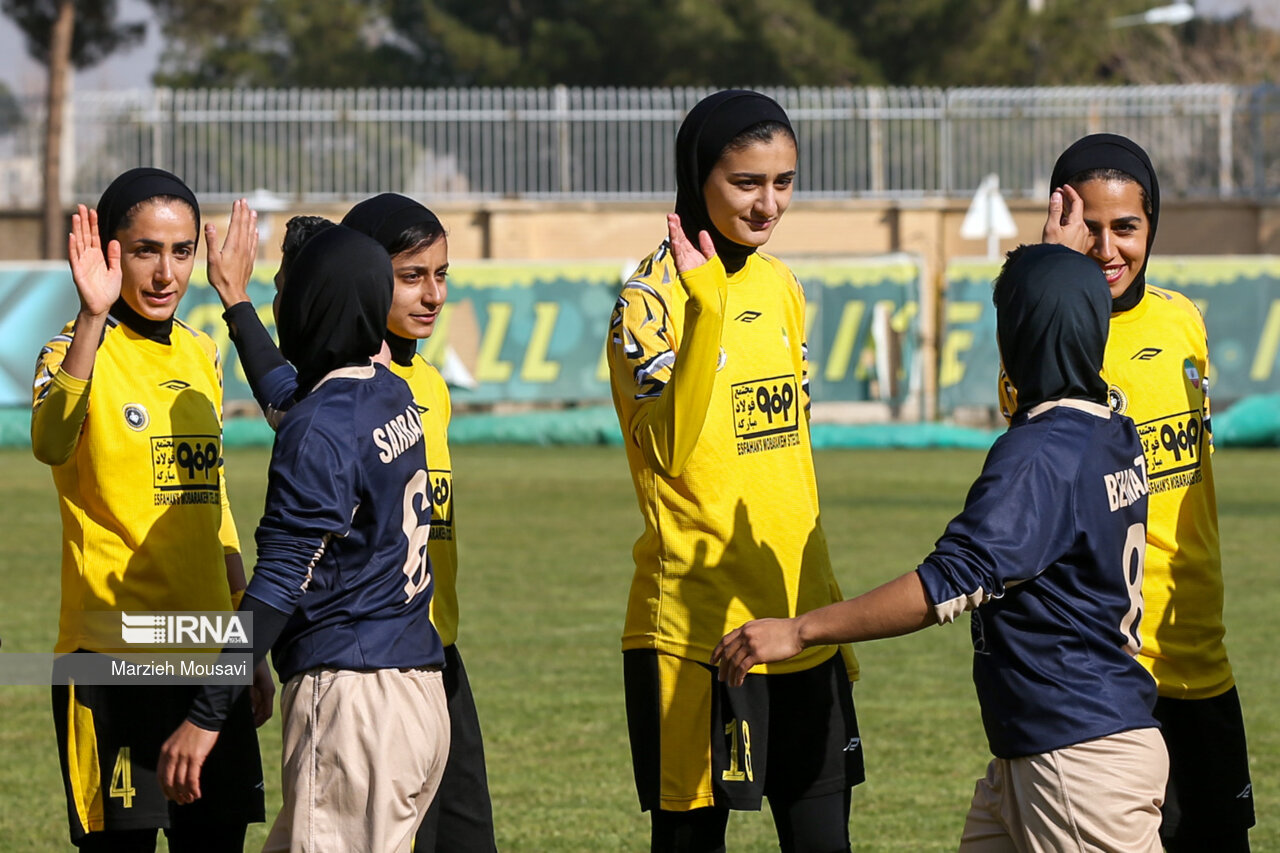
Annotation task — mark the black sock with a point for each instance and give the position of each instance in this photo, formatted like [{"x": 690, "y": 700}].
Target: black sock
[{"x": 696, "y": 831}]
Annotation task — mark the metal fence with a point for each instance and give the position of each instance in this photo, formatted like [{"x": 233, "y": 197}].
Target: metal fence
[{"x": 563, "y": 143}]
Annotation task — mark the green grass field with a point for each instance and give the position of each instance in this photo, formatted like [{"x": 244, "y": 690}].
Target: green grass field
[{"x": 545, "y": 537}]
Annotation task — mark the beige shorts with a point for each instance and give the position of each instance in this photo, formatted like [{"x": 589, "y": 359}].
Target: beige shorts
[
  {"x": 1100, "y": 795},
  {"x": 363, "y": 756}
]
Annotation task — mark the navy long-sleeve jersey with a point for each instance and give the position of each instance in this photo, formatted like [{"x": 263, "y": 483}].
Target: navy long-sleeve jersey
[
  {"x": 342, "y": 545},
  {"x": 1049, "y": 548}
]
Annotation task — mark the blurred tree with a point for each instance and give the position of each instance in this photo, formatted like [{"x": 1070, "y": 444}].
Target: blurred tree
[
  {"x": 346, "y": 43},
  {"x": 605, "y": 43},
  {"x": 61, "y": 34},
  {"x": 279, "y": 44},
  {"x": 11, "y": 117},
  {"x": 1234, "y": 50}
]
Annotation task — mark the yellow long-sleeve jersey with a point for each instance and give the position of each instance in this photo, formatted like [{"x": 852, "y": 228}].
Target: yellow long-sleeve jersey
[
  {"x": 431, "y": 395},
  {"x": 709, "y": 379},
  {"x": 136, "y": 453},
  {"x": 1157, "y": 367}
]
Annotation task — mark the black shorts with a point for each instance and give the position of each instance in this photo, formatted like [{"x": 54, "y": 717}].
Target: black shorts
[
  {"x": 1209, "y": 800},
  {"x": 461, "y": 816},
  {"x": 786, "y": 737},
  {"x": 109, "y": 739}
]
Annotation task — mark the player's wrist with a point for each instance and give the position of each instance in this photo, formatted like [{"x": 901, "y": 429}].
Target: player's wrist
[
  {"x": 705, "y": 284},
  {"x": 87, "y": 316},
  {"x": 803, "y": 629}
]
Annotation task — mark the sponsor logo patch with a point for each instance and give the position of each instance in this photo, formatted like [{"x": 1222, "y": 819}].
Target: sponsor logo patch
[
  {"x": 1173, "y": 446},
  {"x": 441, "y": 484},
  {"x": 766, "y": 414},
  {"x": 185, "y": 463}
]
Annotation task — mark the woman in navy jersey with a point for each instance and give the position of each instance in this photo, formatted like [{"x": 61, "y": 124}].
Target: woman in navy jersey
[{"x": 1048, "y": 555}]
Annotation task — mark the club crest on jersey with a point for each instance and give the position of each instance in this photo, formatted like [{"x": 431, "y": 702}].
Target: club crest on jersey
[
  {"x": 136, "y": 417},
  {"x": 1117, "y": 400},
  {"x": 722, "y": 360}
]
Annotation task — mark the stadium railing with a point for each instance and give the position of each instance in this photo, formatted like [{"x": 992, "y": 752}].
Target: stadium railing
[{"x": 562, "y": 143}]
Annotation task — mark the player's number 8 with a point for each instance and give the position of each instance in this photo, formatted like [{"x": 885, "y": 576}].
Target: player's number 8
[
  {"x": 1135, "y": 548},
  {"x": 416, "y": 496}
]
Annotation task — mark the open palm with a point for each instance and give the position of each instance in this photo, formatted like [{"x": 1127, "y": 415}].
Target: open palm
[
  {"x": 97, "y": 276},
  {"x": 686, "y": 255}
]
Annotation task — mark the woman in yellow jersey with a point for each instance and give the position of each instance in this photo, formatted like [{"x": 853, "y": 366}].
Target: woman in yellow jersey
[
  {"x": 708, "y": 366},
  {"x": 1106, "y": 203},
  {"x": 127, "y": 412},
  {"x": 460, "y": 817}
]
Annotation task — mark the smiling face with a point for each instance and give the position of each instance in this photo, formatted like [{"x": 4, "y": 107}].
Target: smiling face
[
  {"x": 157, "y": 254},
  {"x": 749, "y": 189},
  {"x": 1113, "y": 212},
  {"x": 421, "y": 288}
]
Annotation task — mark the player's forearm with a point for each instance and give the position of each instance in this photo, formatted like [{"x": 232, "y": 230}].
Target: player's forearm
[
  {"x": 285, "y": 558},
  {"x": 235, "y": 578},
  {"x": 58, "y": 417},
  {"x": 895, "y": 608},
  {"x": 82, "y": 352},
  {"x": 213, "y": 702},
  {"x": 668, "y": 430},
  {"x": 271, "y": 379}
]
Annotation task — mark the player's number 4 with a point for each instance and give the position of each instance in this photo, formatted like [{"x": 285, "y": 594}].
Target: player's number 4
[{"x": 122, "y": 778}]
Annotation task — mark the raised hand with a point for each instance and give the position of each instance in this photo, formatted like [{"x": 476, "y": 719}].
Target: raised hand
[
  {"x": 1065, "y": 225},
  {"x": 97, "y": 276},
  {"x": 231, "y": 265},
  {"x": 686, "y": 255}
]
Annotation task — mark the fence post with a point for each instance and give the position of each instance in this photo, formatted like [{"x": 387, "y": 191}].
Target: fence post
[
  {"x": 562, "y": 137},
  {"x": 1256, "y": 95},
  {"x": 1226, "y": 122},
  {"x": 875, "y": 140},
  {"x": 946, "y": 180}
]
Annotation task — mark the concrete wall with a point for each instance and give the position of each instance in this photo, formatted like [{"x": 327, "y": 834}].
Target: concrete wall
[{"x": 931, "y": 228}]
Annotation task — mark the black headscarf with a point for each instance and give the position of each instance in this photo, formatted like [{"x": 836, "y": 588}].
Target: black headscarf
[
  {"x": 385, "y": 218},
  {"x": 126, "y": 191},
  {"x": 1112, "y": 151},
  {"x": 1052, "y": 316},
  {"x": 334, "y": 311},
  {"x": 707, "y": 129}
]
